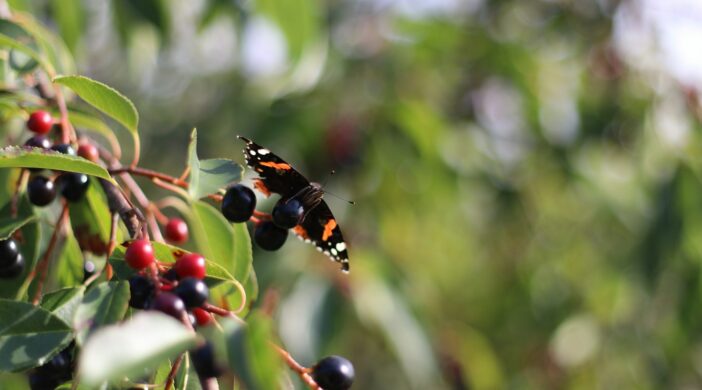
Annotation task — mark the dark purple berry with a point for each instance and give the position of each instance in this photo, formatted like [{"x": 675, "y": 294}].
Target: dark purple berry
[
  {"x": 41, "y": 191},
  {"x": 88, "y": 270},
  {"x": 192, "y": 291},
  {"x": 38, "y": 141},
  {"x": 142, "y": 292},
  {"x": 268, "y": 236},
  {"x": 56, "y": 371},
  {"x": 170, "y": 304},
  {"x": 204, "y": 361},
  {"x": 73, "y": 185},
  {"x": 65, "y": 149},
  {"x": 171, "y": 275},
  {"x": 9, "y": 250},
  {"x": 333, "y": 373},
  {"x": 287, "y": 213},
  {"x": 238, "y": 203},
  {"x": 13, "y": 270}
]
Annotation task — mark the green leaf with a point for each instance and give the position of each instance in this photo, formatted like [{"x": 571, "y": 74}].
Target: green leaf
[
  {"x": 63, "y": 303},
  {"x": 193, "y": 161},
  {"x": 6, "y": 41},
  {"x": 251, "y": 356},
  {"x": 145, "y": 340},
  {"x": 242, "y": 251},
  {"x": 104, "y": 98},
  {"x": 214, "y": 174},
  {"x": 9, "y": 225},
  {"x": 50, "y": 44},
  {"x": 91, "y": 219},
  {"x": 29, "y": 335},
  {"x": 19, "y": 157},
  {"x": 105, "y": 303},
  {"x": 69, "y": 265},
  {"x": 89, "y": 122},
  {"x": 69, "y": 15},
  {"x": 187, "y": 377},
  {"x": 217, "y": 240},
  {"x": 165, "y": 253}
]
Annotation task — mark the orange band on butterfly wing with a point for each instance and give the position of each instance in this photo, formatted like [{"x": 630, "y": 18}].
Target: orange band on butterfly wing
[
  {"x": 274, "y": 165},
  {"x": 328, "y": 228},
  {"x": 258, "y": 183},
  {"x": 300, "y": 231}
]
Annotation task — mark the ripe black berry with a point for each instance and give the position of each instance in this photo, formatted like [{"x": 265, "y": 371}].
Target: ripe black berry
[
  {"x": 73, "y": 185},
  {"x": 41, "y": 191},
  {"x": 13, "y": 270},
  {"x": 65, "y": 149},
  {"x": 88, "y": 270},
  {"x": 204, "y": 362},
  {"x": 11, "y": 260},
  {"x": 238, "y": 203},
  {"x": 141, "y": 291},
  {"x": 38, "y": 141},
  {"x": 171, "y": 275},
  {"x": 287, "y": 213},
  {"x": 270, "y": 237},
  {"x": 56, "y": 371},
  {"x": 170, "y": 304},
  {"x": 192, "y": 291},
  {"x": 333, "y": 373}
]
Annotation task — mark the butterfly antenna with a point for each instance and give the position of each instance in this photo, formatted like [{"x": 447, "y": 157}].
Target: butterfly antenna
[{"x": 331, "y": 173}]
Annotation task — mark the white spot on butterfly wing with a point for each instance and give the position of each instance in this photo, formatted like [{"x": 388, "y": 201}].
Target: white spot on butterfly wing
[
  {"x": 263, "y": 152},
  {"x": 341, "y": 246},
  {"x": 334, "y": 252},
  {"x": 252, "y": 152}
]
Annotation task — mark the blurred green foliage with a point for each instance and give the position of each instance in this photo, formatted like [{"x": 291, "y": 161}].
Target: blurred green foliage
[{"x": 528, "y": 199}]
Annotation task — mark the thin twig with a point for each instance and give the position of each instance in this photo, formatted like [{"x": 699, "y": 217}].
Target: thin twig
[
  {"x": 43, "y": 266},
  {"x": 150, "y": 174},
  {"x": 173, "y": 372},
  {"x": 119, "y": 204},
  {"x": 302, "y": 371},
  {"x": 24, "y": 174}
]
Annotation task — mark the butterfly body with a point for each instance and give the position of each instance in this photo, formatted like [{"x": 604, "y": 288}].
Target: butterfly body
[{"x": 318, "y": 225}]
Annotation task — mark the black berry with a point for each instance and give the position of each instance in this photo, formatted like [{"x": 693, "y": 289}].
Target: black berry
[
  {"x": 56, "y": 371},
  {"x": 287, "y": 213},
  {"x": 88, "y": 270},
  {"x": 9, "y": 250},
  {"x": 268, "y": 236},
  {"x": 13, "y": 270},
  {"x": 73, "y": 185},
  {"x": 171, "y": 275},
  {"x": 41, "y": 191},
  {"x": 65, "y": 149},
  {"x": 333, "y": 373},
  {"x": 204, "y": 361},
  {"x": 170, "y": 304},
  {"x": 238, "y": 203},
  {"x": 192, "y": 291},
  {"x": 142, "y": 292},
  {"x": 38, "y": 141}
]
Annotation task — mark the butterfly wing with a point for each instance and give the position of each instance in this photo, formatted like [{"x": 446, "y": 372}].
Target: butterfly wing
[
  {"x": 320, "y": 228},
  {"x": 275, "y": 175}
]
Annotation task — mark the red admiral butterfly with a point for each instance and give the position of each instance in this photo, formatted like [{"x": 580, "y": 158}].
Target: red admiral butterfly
[{"x": 318, "y": 224}]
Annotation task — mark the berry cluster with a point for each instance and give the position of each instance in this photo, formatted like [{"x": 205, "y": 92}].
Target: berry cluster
[
  {"x": 239, "y": 204},
  {"x": 179, "y": 291},
  {"x": 11, "y": 259},
  {"x": 41, "y": 189}
]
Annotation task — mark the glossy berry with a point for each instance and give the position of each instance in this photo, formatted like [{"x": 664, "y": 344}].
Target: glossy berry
[
  {"x": 140, "y": 254},
  {"x": 88, "y": 270},
  {"x": 73, "y": 185},
  {"x": 333, "y": 373},
  {"x": 238, "y": 203},
  {"x": 38, "y": 141},
  {"x": 176, "y": 231},
  {"x": 9, "y": 250},
  {"x": 64, "y": 149},
  {"x": 40, "y": 122},
  {"x": 268, "y": 236},
  {"x": 56, "y": 371},
  {"x": 202, "y": 316},
  {"x": 88, "y": 151},
  {"x": 287, "y": 213},
  {"x": 204, "y": 361},
  {"x": 171, "y": 275},
  {"x": 14, "y": 269},
  {"x": 193, "y": 292},
  {"x": 190, "y": 264},
  {"x": 141, "y": 291},
  {"x": 41, "y": 191},
  {"x": 170, "y": 304}
]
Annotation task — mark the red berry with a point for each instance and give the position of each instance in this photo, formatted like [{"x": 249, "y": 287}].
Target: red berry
[
  {"x": 202, "y": 316},
  {"x": 176, "y": 231},
  {"x": 40, "y": 122},
  {"x": 190, "y": 264},
  {"x": 88, "y": 151},
  {"x": 140, "y": 254}
]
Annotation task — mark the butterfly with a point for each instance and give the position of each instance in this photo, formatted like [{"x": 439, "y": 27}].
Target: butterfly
[{"x": 318, "y": 225}]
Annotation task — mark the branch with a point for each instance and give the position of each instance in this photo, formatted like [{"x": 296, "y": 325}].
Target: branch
[
  {"x": 119, "y": 204},
  {"x": 150, "y": 174},
  {"x": 302, "y": 371}
]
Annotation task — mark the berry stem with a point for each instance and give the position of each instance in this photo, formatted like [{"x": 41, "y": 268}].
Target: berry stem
[
  {"x": 67, "y": 132},
  {"x": 302, "y": 371},
  {"x": 111, "y": 244},
  {"x": 174, "y": 371},
  {"x": 219, "y": 311},
  {"x": 150, "y": 174},
  {"x": 170, "y": 187},
  {"x": 43, "y": 265},
  {"x": 24, "y": 175}
]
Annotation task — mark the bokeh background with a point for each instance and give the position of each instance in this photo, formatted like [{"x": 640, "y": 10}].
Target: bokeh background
[{"x": 526, "y": 173}]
